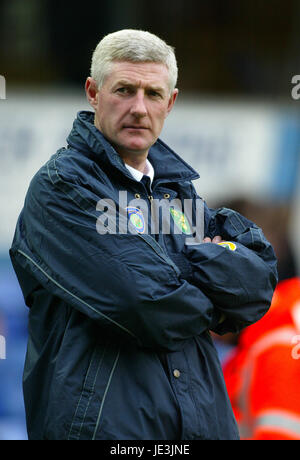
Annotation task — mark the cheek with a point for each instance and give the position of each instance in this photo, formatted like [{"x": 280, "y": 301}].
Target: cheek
[
  {"x": 108, "y": 113},
  {"x": 159, "y": 117}
]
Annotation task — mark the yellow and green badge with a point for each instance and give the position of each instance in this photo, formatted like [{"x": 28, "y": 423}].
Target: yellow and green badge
[
  {"x": 136, "y": 218},
  {"x": 181, "y": 221},
  {"x": 228, "y": 245}
]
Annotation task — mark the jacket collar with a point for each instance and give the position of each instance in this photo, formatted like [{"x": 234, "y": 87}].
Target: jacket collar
[
  {"x": 138, "y": 175},
  {"x": 168, "y": 166}
]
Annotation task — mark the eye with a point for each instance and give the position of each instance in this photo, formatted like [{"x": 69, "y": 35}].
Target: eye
[
  {"x": 154, "y": 93},
  {"x": 122, "y": 90},
  {"x": 125, "y": 90}
]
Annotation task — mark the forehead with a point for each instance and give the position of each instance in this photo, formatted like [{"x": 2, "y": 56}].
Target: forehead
[{"x": 152, "y": 74}]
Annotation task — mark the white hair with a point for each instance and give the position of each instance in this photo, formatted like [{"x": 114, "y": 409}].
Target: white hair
[{"x": 133, "y": 46}]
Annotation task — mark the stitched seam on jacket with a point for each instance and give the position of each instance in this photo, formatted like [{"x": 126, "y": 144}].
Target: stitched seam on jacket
[
  {"x": 75, "y": 296},
  {"x": 256, "y": 232},
  {"x": 104, "y": 395},
  {"x": 236, "y": 217},
  {"x": 191, "y": 392},
  {"x": 84, "y": 388},
  {"x": 93, "y": 387},
  {"x": 64, "y": 191}
]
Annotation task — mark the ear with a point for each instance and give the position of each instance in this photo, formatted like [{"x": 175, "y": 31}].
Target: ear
[
  {"x": 92, "y": 92},
  {"x": 172, "y": 100}
]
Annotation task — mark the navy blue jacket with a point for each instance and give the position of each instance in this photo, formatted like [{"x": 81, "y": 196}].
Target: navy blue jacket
[{"x": 119, "y": 344}]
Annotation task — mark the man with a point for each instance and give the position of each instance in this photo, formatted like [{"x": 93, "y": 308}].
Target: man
[{"x": 122, "y": 301}]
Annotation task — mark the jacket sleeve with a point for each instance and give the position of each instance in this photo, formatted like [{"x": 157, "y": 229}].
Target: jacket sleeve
[
  {"x": 124, "y": 282},
  {"x": 239, "y": 278}
]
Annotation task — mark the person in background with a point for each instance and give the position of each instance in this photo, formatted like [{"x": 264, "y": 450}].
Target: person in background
[{"x": 262, "y": 373}]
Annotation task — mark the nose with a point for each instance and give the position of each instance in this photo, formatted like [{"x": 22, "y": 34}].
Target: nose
[{"x": 138, "y": 108}]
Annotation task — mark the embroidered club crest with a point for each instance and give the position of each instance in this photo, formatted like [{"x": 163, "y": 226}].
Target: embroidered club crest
[
  {"x": 136, "y": 218},
  {"x": 180, "y": 221},
  {"x": 228, "y": 245}
]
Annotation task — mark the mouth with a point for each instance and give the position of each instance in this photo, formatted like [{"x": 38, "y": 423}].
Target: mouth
[{"x": 136, "y": 128}]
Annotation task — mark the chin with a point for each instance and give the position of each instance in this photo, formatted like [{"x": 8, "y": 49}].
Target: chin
[{"x": 136, "y": 147}]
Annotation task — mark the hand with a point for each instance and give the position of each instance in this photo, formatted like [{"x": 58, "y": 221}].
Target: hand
[{"x": 217, "y": 239}]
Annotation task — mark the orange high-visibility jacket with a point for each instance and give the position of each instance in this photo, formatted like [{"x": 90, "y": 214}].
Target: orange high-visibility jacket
[{"x": 263, "y": 373}]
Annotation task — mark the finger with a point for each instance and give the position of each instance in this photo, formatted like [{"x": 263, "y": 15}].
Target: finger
[
  {"x": 207, "y": 240},
  {"x": 217, "y": 239}
]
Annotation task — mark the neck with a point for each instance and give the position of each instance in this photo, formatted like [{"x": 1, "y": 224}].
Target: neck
[{"x": 138, "y": 162}]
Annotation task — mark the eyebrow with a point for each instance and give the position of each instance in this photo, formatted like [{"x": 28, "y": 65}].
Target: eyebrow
[{"x": 133, "y": 85}]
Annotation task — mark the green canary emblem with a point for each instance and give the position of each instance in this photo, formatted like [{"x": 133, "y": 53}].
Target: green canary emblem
[{"x": 181, "y": 221}]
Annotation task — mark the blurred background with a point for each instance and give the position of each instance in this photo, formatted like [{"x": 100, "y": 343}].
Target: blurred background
[{"x": 235, "y": 121}]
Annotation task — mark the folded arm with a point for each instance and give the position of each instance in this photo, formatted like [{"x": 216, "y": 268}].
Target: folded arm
[
  {"x": 124, "y": 282},
  {"x": 239, "y": 277}
]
